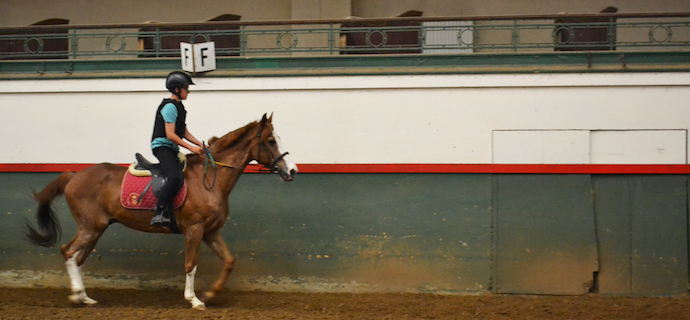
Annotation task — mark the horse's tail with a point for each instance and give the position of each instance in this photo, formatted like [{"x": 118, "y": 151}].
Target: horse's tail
[{"x": 49, "y": 227}]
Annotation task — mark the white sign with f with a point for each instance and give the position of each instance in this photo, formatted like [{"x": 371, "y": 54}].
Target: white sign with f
[{"x": 198, "y": 57}]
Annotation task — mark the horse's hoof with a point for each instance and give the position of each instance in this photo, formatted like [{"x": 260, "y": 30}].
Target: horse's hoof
[
  {"x": 200, "y": 307},
  {"x": 81, "y": 298},
  {"x": 208, "y": 296},
  {"x": 196, "y": 303}
]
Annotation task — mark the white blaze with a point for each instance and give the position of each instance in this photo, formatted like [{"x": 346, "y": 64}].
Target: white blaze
[{"x": 288, "y": 160}]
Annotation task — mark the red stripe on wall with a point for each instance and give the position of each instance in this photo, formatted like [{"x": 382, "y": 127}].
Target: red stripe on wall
[
  {"x": 497, "y": 168},
  {"x": 42, "y": 167},
  {"x": 60, "y": 167},
  {"x": 419, "y": 168}
]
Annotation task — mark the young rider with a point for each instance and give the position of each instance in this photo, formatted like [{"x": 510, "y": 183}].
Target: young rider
[{"x": 170, "y": 132}]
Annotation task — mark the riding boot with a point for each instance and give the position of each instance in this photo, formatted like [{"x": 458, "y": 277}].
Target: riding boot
[{"x": 161, "y": 215}]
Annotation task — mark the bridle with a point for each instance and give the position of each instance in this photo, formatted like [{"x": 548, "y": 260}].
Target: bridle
[
  {"x": 262, "y": 145},
  {"x": 272, "y": 167}
]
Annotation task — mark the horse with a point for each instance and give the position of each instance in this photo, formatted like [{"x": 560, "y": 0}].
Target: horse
[{"x": 93, "y": 196}]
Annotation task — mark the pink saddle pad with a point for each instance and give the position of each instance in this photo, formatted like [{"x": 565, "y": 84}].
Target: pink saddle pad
[{"x": 133, "y": 186}]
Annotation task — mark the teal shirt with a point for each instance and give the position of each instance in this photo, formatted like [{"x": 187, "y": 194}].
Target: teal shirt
[{"x": 169, "y": 113}]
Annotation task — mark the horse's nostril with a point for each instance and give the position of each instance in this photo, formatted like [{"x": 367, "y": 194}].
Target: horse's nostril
[{"x": 293, "y": 173}]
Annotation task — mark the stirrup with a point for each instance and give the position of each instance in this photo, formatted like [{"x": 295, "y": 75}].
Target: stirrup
[
  {"x": 160, "y": 219},
  {"x": 159, "y": 216},
  {"x": 165, "y": 217}
]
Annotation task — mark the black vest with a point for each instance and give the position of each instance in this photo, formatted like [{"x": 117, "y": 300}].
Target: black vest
[{"x": 180, "y": 125}]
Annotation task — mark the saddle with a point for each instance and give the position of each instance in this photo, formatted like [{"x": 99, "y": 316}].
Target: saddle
[
  {"x": 145, "y": 168},
  {"x": 143, "y": 176}
]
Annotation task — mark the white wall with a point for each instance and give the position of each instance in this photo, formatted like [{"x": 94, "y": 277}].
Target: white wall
[{"x": 359, "y": 119}]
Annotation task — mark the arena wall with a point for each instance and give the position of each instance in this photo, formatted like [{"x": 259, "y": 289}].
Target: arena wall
[{"x": 508, "y": 183}]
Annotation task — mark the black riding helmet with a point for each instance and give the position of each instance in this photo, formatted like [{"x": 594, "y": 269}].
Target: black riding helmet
[{"x": 177, "y": 79}]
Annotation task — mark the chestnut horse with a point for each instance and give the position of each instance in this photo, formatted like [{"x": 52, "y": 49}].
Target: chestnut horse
[{"x": 93, "y": 195}]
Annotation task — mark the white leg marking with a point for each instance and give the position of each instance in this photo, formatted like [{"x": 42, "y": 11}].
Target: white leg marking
[
  {"x": 77, "y": 283},
  {"x": 189, "y": 292}
]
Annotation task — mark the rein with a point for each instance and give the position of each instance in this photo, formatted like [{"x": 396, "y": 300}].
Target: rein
[{"x": 209, "y": 159}]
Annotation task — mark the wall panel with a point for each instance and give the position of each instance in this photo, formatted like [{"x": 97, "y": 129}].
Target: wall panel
[
  {"x": 659, "y": 218},
  {"x": 642, "y": 232},
  {"x": 544, "y": 234},
  {"x": 639, "y": 146}
]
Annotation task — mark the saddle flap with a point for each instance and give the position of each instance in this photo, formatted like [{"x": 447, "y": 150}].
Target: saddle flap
[{"x": 138, "y": 193}]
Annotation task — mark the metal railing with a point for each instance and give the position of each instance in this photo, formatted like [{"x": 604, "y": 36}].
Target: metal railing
[{"x": 444, "y": 35}]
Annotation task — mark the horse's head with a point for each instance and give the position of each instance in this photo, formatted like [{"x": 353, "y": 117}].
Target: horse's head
[{"x": 270, "y": 152}]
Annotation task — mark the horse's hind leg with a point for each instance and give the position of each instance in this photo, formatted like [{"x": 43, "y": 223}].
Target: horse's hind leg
[
  {"x": 217, "y": 244},
  {"x": 75, "y": 253}
]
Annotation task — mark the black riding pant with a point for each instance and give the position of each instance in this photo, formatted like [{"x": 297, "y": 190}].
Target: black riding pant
[{"x": 172, "y": 171}]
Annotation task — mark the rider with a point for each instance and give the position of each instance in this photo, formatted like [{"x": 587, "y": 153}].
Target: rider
[{"x": 169, "y": 132}]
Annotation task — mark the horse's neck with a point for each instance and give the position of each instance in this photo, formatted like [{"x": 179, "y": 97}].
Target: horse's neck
[
  {"x": 237, "y": 152},
  {"x": 230, "y": 165},
  {"x": 232, "y": 151}
]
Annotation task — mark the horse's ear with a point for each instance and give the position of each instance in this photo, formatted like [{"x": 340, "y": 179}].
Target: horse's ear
[
  {"x": 263, "y": 122},
  {"x": 270, "y": 119}
]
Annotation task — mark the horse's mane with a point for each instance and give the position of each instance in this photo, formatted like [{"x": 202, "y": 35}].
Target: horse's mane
[{"x": 216, "y": 144}]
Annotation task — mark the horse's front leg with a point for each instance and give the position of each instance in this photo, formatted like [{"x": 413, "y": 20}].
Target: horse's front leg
[
  {"x": 193, "y": 236},
  {"x": 217, "y": 244}
]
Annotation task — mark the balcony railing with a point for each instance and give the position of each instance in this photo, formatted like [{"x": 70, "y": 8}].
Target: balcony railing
[{"x": 441, "y": 35}]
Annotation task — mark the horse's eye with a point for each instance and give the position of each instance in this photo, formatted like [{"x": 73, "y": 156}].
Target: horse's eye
[{"x": 272, "y": 142}]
